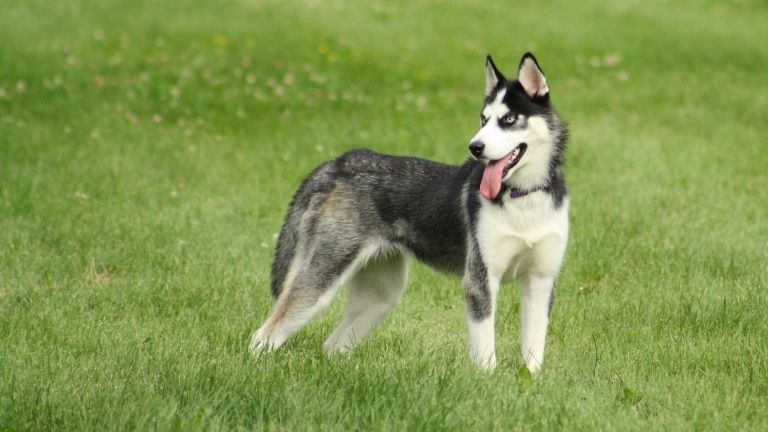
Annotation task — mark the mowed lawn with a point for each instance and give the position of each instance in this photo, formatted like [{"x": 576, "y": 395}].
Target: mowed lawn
[{"x": 149, "y": 149}]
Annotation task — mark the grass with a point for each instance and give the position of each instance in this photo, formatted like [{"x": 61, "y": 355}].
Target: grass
[{"x": 148, "y": 151}]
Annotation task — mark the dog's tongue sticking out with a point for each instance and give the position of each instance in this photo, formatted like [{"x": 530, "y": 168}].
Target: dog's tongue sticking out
[{"x": 490, "y": 185}]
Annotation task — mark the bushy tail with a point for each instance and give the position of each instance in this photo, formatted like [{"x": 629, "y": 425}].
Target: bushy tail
[
  {"x": 284, "y": 252},
  {"x": 319, "y": 181}
]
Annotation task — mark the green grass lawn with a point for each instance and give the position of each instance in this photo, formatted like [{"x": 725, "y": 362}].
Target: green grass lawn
[{"x": 149, "y": 149}]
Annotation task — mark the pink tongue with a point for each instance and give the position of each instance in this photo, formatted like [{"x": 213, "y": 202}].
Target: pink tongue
[{"x": 490, "y": 185}]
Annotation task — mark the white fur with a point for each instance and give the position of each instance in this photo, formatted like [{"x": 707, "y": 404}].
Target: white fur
[
  {"x": 528, "y": 219},
  {"x": 533, "y": 168},
  {"x": 534, "y": 319},
  {"x": 496, "y": 108},
  {"x": 482, "y": 344},
  {"x": 523, "y": 239},
  {"x": 373, "y": 292}
]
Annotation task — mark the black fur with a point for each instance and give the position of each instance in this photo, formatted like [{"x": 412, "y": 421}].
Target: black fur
[
  {"x": 417, "y": 201},
  {"x": 475, "y": 283},
  {"x": 551, "y": 303}
]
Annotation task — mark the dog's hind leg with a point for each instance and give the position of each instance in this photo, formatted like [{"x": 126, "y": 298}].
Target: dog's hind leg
[
  {"x": 319, "y": 248},
  {"x": 310, "y": 291},
  {"x": 373, "y": 292},
  {"x": 290, "y": 314}
]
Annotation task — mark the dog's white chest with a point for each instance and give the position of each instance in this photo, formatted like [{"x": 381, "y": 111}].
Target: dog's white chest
[{"x": 508, "y": 234}]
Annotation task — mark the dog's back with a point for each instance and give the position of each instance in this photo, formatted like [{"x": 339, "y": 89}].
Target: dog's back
[{"x": 409, "y": 203}]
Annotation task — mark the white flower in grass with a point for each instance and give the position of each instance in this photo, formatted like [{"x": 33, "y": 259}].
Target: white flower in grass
[{"x": 611, "y": 59}]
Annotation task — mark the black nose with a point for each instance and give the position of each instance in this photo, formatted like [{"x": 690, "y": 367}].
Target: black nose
[{"x": 476, "y": 148}]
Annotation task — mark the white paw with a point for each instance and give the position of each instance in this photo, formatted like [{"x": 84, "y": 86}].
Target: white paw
[
  {"x": 486, "y": 362},
  {"x": 259, "y": 343},
  {"x": 332, "y": 348},
  {"x": 329, "y": 348},
  {"x": 533, "y": 364}
]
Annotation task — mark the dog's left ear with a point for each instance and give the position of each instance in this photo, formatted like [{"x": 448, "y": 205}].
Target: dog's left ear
[
  {"x": 492, "y": 75},
  {"x": 530, "y": 76}
]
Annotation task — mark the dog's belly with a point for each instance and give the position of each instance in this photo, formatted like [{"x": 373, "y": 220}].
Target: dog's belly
[
  {"x": 443, "y": 251},
  {"x": 446, "y": 264}
]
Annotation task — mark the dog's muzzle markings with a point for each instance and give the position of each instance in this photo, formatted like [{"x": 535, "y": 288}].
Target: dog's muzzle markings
[{"x": 500, "y": 216}]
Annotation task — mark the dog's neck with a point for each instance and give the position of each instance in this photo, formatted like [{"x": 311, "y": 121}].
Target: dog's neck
[
  {"x": 553, "y": 184},
  {"x": 519, "y": 193}
]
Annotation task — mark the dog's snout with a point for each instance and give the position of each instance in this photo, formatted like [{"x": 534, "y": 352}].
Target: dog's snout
[{"x": 476, "y": 148}]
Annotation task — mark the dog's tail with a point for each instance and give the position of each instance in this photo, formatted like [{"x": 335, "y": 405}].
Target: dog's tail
[
  {"x": 298, "y": 224},
  {"x": 292, "y": 234},
  {"x": 284, "y": 253}
]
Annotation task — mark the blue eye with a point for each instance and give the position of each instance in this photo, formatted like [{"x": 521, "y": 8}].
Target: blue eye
[
  {"x": 508, "y": 119},
  {"x": 483, "y": 120}
]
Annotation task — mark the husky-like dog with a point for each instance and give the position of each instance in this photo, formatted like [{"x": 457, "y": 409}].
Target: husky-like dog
[{"x": 501, "y": 216}]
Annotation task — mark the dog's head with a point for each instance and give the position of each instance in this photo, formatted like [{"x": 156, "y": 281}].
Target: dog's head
[{"x": 518, "y": 127}]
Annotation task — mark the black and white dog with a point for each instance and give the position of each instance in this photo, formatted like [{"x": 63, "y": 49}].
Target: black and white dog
[{"x": 500, "y": 216}]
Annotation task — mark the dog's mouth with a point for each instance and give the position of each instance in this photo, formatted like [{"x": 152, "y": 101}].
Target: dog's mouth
[{"x": 496, "y": 170}]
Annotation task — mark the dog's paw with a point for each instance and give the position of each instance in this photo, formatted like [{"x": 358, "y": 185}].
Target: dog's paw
[
  {"x": 485, "y": 362},
  {"x": 260, "y": 343},
  {"x": 331, "y": 348},
  {"x": 533, "y": 365}
]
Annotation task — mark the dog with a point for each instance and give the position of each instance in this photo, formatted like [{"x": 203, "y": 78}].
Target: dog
[{"x": 500, "y": 216}]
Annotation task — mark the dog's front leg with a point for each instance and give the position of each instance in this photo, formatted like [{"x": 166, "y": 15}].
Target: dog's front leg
[
  {"x": 537, "y": 295},
  {"x": 480, "y": 290},
  {"x": 538, "y": 291}
]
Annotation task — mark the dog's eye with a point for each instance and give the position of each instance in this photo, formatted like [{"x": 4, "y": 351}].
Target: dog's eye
[
  {"x": 483, "y": 120},
  {"x": 508, "y": 119}
]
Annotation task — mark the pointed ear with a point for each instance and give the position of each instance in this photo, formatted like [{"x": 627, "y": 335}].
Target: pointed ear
[
  {"x": 492, "y": 75},
  {"x": 530, "y": 76}
]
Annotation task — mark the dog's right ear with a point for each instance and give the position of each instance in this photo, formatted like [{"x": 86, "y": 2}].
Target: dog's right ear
[
  {"x": 531, "y": 77},
  {"x": 492, "y": 76}
]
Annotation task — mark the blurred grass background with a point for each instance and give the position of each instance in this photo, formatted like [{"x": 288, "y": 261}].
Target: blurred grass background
[{"x": 149, "y": 149}]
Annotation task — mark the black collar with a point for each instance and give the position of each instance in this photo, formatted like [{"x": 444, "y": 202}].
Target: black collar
[{"x": 517, "y": 193}]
